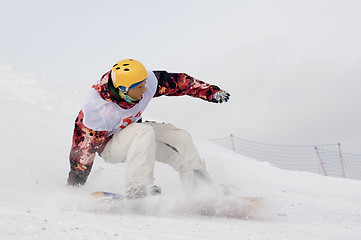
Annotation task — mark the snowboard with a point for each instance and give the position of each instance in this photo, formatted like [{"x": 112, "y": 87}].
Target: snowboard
[
  {"x": 108, "y": 196},
  {"x": 236, "y": 207}
]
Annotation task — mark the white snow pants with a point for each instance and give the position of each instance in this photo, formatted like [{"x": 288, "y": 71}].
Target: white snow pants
[{"x": 139, "y": 145}]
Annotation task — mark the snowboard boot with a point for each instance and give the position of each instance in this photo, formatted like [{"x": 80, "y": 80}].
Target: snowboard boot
[{"x": 144, "y": 192}]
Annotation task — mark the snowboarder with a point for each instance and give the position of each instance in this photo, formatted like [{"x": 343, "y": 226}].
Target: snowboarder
[{"x": 110, "y": 124}]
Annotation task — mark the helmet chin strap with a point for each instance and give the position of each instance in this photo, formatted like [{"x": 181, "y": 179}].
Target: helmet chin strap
[{"x": 124, "y": 95}]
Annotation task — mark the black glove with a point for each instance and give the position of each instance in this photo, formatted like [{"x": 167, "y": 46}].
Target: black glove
[
  {"x": 220, "y": 96},
  {"x": 76, "y": 178}
]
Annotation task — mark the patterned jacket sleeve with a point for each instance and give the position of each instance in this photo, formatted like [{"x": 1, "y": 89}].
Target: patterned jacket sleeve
[
  {"x": 179, "y": 84},
  {"x": 85, "y": 144}
]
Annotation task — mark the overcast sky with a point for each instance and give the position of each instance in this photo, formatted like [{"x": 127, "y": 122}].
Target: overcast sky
[{"x": 293, "y": 68}]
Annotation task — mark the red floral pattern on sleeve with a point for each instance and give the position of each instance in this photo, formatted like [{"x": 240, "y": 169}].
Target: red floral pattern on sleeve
[
  {"x": 86, "y": 142},
  {"x": 179, "y": 84}
]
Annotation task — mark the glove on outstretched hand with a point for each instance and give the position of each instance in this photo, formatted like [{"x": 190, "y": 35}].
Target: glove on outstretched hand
[{"x": 220, "y": 96}]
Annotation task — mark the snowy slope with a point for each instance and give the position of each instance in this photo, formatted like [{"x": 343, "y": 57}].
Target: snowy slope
[{"x": 37, "y": 124}]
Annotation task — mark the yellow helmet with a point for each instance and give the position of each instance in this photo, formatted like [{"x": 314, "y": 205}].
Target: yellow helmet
[{"x": 127, "y": 73}]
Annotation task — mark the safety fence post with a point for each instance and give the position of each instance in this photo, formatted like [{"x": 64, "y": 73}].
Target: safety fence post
[
  {"x": 341, "y": 160},
  {"x": 232, "y": 141},
  {"x": 321, "y": 162}
]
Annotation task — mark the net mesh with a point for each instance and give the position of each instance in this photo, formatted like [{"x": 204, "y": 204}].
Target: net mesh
[{"x": 326, "y": 159}]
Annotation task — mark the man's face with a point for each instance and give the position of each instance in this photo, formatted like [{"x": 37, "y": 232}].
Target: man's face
[{"x": 137, "y": 92}]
